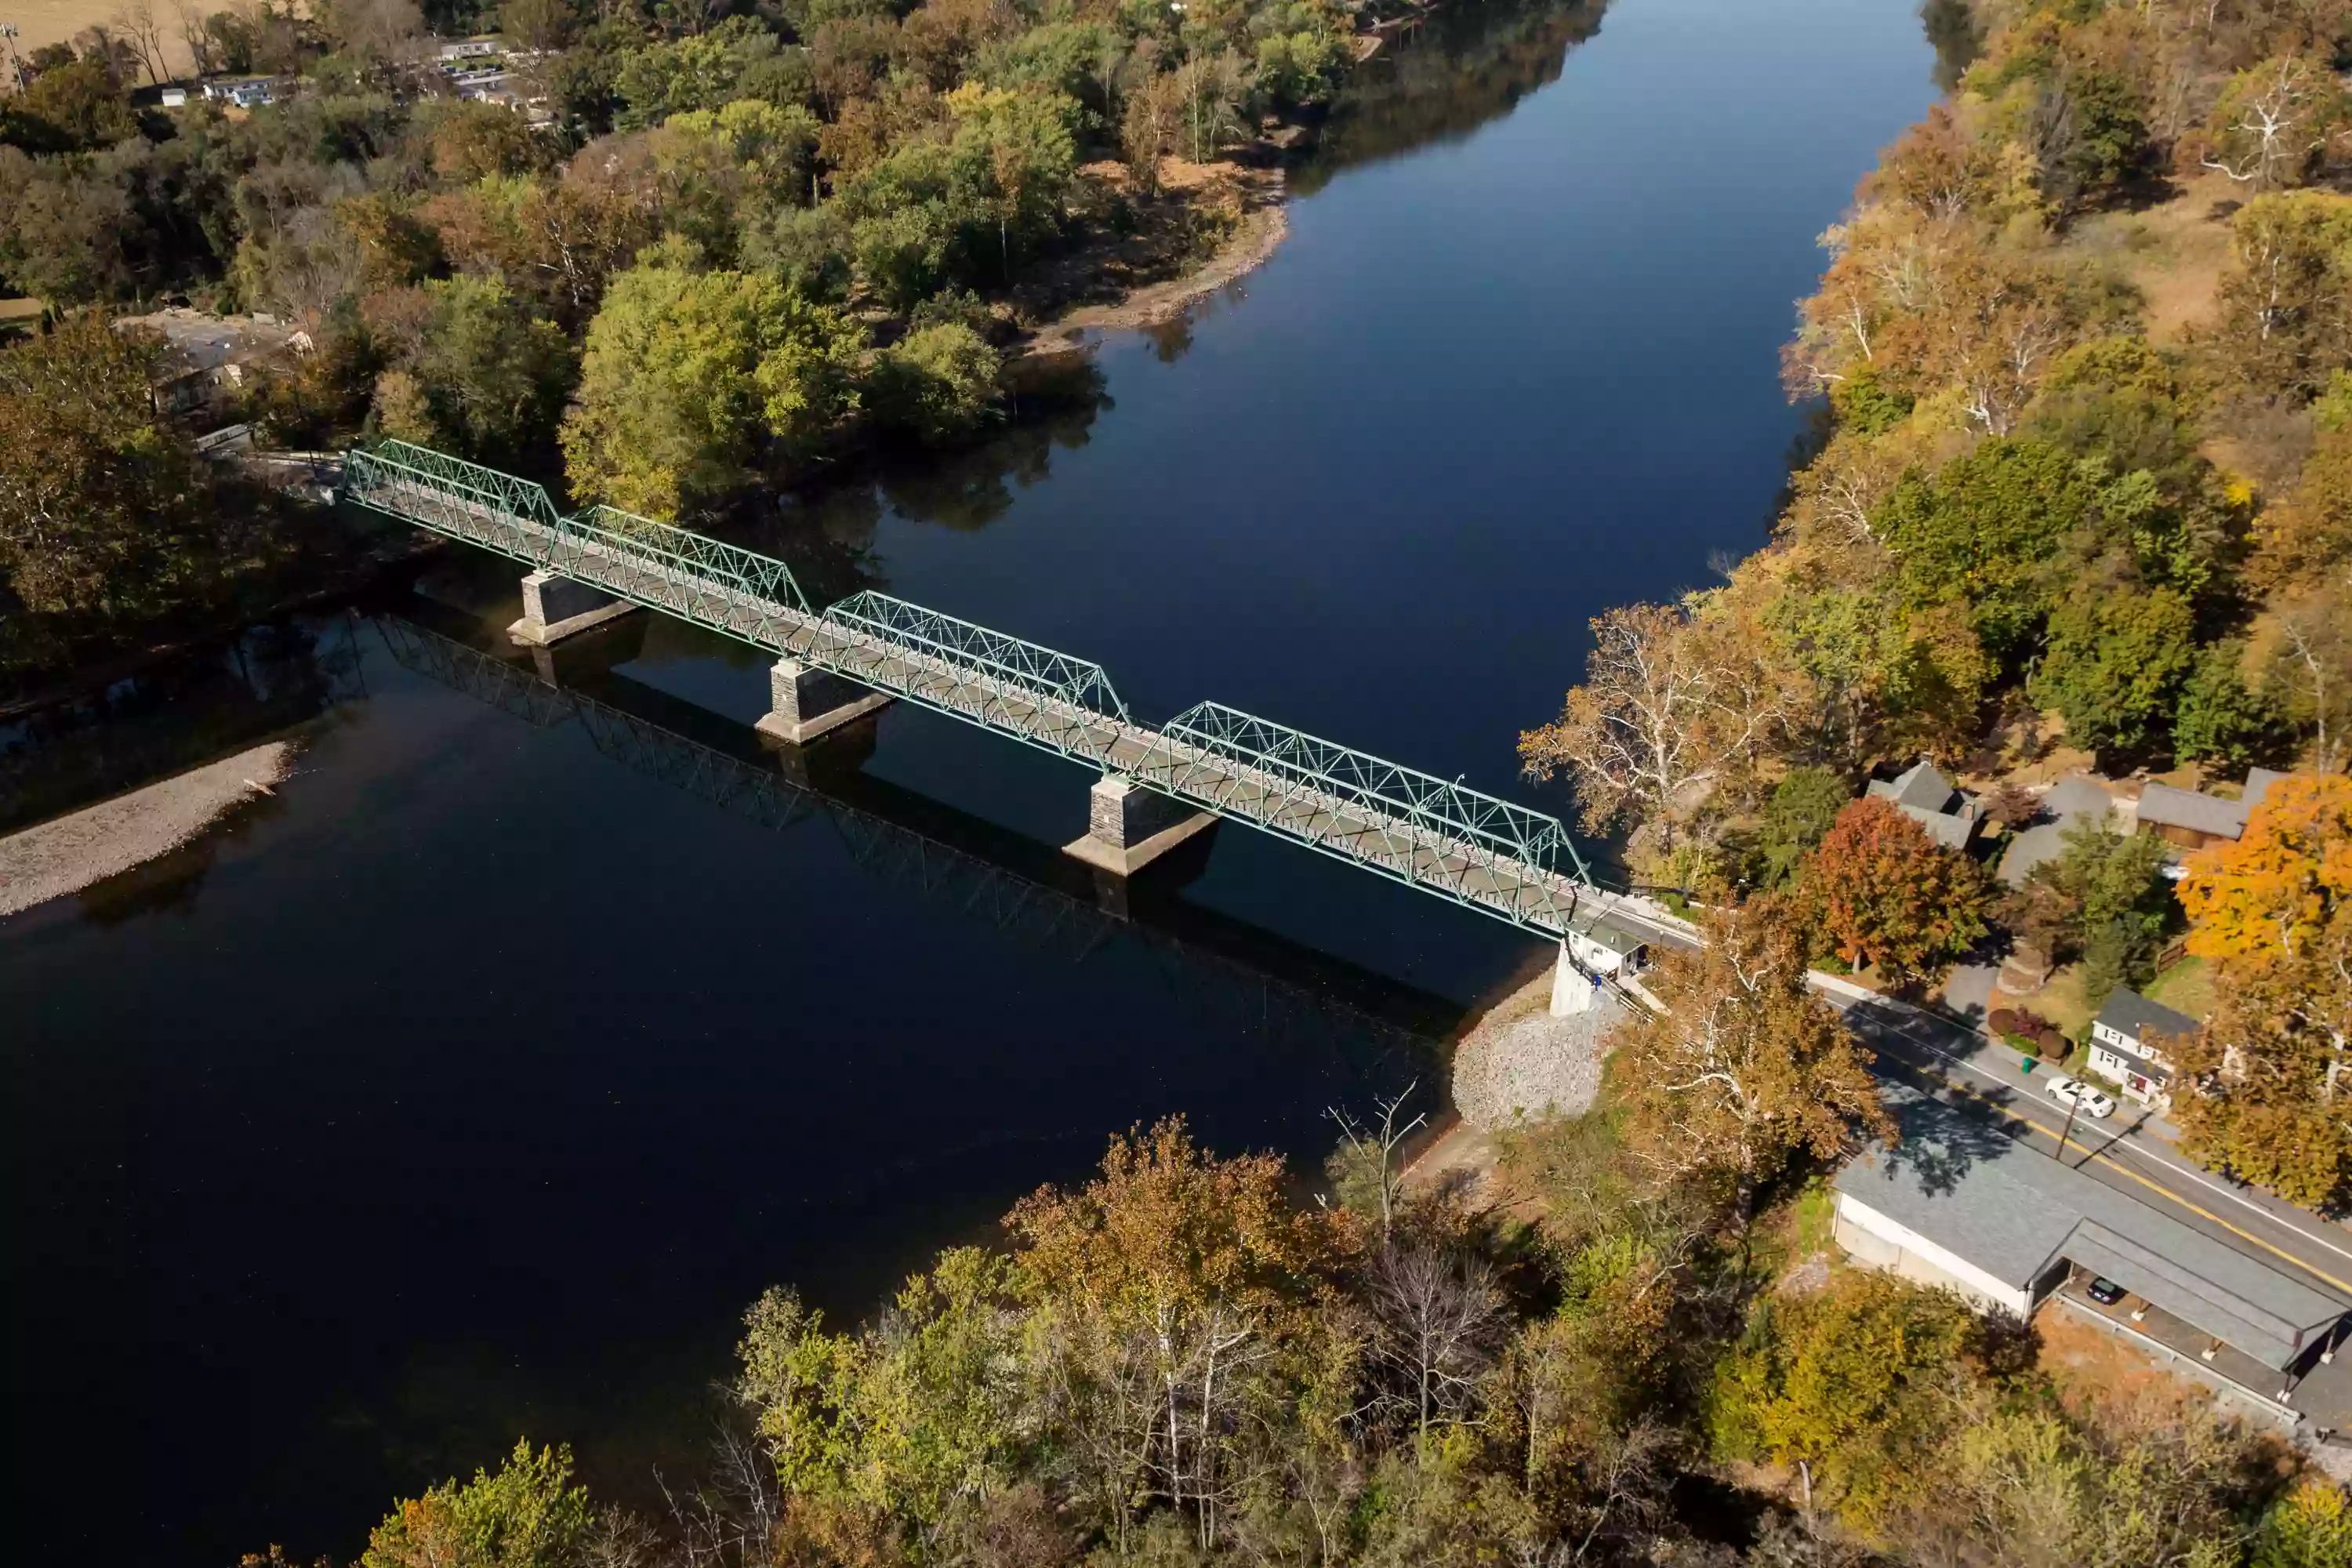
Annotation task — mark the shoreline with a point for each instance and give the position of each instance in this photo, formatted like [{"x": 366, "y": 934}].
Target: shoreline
[{"x": 1265, "y": 224}]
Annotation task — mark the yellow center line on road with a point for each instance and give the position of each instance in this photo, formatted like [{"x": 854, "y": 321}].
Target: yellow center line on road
[{"x": 2030, "y": 1125}]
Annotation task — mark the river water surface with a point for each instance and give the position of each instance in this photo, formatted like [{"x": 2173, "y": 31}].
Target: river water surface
[{"x": 472, "y": 1086}]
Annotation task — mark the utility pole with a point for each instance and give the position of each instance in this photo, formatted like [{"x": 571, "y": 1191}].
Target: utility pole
[{"x": 2073, "y": 1106}]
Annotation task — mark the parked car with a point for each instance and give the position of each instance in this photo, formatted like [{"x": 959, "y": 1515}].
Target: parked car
[
  {"x": 2074, "y": 1092},
  {"x": 2104, "y": 1290}
]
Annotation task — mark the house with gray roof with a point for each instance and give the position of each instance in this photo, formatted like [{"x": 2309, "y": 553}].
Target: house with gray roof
[
  {"x": 2191, "y": 819},
  {"x": 1924, "y": 794},
  {"x": 2123, "y": 1045},
  {"x": 1958, "y": 1204},
  {"x": 2077, "y": 797}
]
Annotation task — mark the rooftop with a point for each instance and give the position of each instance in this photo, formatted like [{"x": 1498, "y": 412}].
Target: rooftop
[
  {"x": 207, "y": 341},
  {"x": 2129, "y": 1013},
  {"x": 2017, "y": 1213},
  {"x": 2165, "y": 806},
  {"x": 1922, "y": 785},
  {"x": 2071, "y": 799}
]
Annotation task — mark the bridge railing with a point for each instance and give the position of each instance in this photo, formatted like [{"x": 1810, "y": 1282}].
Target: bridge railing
[
  {"x": 673, "y": 569},
  {"x": 1442, "y": 807},
  {"x": 686, "y": 558}
]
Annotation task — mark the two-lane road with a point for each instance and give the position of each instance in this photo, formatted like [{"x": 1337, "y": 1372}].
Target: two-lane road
[{"x": 2130, "y": 1150}]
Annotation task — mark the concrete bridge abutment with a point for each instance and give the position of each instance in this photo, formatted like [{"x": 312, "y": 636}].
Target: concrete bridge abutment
[
  {"x": 804, "y": 703},
  {"x": 1129, "y": 826},
  {"x": 555, "y": 608},
  {"x": 1572, "y": 990}
]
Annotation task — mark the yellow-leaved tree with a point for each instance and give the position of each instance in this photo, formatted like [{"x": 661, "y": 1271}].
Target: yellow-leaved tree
[{"x": 2264, "y": 1091}]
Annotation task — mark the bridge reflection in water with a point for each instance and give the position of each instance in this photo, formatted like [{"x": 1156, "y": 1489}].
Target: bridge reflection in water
[{"x": 1226, "y": 971}]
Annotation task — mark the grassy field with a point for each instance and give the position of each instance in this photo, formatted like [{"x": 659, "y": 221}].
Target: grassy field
[
  {"x": 2185, "y": 987},
  {"x": 2173, "y": 252},
  {"x": 39, "y": 22}
]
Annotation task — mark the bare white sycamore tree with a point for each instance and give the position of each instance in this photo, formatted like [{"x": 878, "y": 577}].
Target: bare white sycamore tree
[
  {"x": 2315, "y": 663},
  {"x": 2274, "y": 120},
  {"x": 1438, "y": 1322},
  {"x": 1370, "y": 1155},
  {"x": 1668, "y": 706}
]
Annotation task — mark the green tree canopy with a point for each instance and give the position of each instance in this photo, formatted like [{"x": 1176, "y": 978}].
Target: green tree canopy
[
  {"x": 1981, "y": 531},
  {"x": 526, "y": 1515},
  {"x": 474, "y": 372},
  {"x": 72, "y": 109},
  {"x": 1802, "y": 807},
  {"x": 2103, "y": 898},
  {"x": 701, "y": 70},
  {"x": 2221, "y": 718},
  {"x": 1848, "y": 1380},
  {"x": 686, "y": 372},
  {"x": 105, "y": 510},
  {"x": 937, "y": 382},
  {"x": 2115, "y": 666}
]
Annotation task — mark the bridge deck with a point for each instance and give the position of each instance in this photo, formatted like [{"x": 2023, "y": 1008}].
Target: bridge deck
[{"x": 753, "y": 599}]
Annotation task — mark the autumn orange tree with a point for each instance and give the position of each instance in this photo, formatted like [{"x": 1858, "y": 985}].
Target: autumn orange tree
[
  {"x": 2273, "y": 913},
  {"x": 1887, "y": 896},
  {"x": 1745, "y": 1066}
]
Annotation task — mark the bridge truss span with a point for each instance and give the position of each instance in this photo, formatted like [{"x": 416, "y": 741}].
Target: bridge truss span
[
  {"x": 1436, "y": 835},
  {"x": 1505, "y": 860},
  {"x": 1047, "y": 699}
]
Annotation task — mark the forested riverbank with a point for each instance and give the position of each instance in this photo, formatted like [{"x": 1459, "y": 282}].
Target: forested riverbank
[
  {"x": 686, "y": 258},
  {"x": 2076, "y": 509},
  {"x": 605, "y": 1059}
]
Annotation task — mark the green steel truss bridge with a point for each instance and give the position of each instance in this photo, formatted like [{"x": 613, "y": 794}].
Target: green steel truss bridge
[{"x": 1442, "y": 838}]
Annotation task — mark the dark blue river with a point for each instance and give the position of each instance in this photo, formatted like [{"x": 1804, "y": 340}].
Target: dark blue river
[{"x": 472, "y": 1086}]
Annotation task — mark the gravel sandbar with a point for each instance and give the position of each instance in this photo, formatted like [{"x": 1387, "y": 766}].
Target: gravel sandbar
[{"x": 69, "y": 854}]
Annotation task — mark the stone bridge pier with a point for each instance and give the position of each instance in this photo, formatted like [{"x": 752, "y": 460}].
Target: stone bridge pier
[
  {"x": 804, "y": 703},
  {"x": 555, "y": 608},
  {"x": 1129, "y": 826}
]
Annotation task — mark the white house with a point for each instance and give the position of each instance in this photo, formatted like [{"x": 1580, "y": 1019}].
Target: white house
[
  {"x": 247, "y": 92},
  {"x": 2121, "y": 1047}
]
